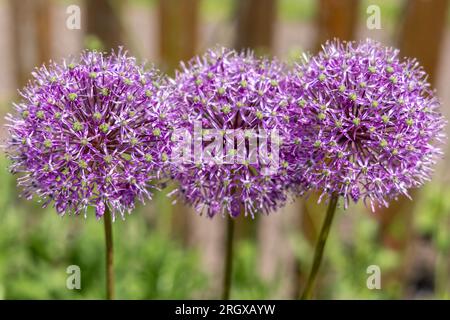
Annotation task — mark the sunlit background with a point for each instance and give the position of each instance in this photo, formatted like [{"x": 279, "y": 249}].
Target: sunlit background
[{"x": 169, "y": 252}]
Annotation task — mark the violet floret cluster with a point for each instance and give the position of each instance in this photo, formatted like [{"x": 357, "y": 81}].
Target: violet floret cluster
[
  {"x": 227, "y": 92},
  {"x": 369, "y": 122},
  {"x": 91, "y": 132}
]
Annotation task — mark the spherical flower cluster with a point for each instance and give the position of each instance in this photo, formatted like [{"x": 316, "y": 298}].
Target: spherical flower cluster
[
  {"x": 228, "y": 93},
  {"x": 92, "y": 132},
  {"x": 369, "y": 123}
]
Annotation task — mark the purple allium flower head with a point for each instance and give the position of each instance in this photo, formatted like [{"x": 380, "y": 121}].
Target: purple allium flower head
[
  {"x": 370, "y": 125},
  {"x": 224, "y": 92},
  {"x": 92, "y": 132}
]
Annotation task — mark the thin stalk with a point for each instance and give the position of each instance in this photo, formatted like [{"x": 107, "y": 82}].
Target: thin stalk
[
  {"x": 228, "y": 263},
  {"x": 318, "y": 253},
  {"x": 109, "y": 255}
]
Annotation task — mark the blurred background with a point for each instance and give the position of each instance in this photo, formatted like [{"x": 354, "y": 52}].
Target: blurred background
[{"x": 169, "y": 252}]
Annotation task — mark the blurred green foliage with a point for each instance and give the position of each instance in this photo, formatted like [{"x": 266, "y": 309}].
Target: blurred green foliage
[
  {"x": 92, "y": 42},
  {"x": 433, "y": 218},
  {"x": 347, "y": 257},
  {"x": 349, "y": 261},
  {"x": 37, "y": 246}
]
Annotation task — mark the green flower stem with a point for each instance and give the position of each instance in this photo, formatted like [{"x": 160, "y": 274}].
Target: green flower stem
[
  {"x": 109, "y": 255},
  {"x": 228, "y": 263},
  {"x": 318, "y": 253}
]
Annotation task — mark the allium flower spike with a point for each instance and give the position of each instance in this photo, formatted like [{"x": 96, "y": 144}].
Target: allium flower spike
[
  {"x": 370, "y": 123},
  {"x": 82, "y": 135},
  {"x": 230, "y": 93}
]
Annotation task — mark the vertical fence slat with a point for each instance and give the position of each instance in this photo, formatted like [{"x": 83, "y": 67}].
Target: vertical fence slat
[
  {"x": 336, "y": 19},
  {"x": 255, "y": 29},
  {"x": 422, "y": 32},
  {"x": 255, "y": 24},
  {"x": 31, "y": 40},
  {"x": 43, "y": 16},
  {"x": 178, "y": 29},
  {"x": 178, "y": 33}
]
